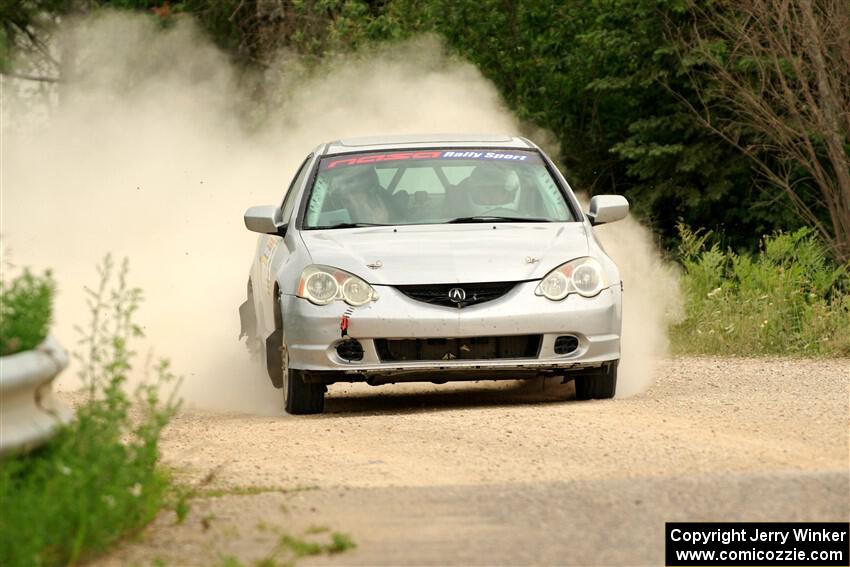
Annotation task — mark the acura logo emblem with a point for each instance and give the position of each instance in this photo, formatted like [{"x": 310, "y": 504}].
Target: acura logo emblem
[{"x": 458, "y": 295}]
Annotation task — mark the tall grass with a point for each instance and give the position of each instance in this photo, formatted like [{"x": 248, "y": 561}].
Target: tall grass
[
  {"x": 789, "y": 298},
  {"x": 99, "y": 478}
]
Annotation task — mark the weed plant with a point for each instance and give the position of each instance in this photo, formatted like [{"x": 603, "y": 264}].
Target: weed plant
[
  {"x": 788, "y": 299},
  {"x": 26, "y": 306},
  {"x": 289, "y": 549},
  {"x": 98, "y": 479}
]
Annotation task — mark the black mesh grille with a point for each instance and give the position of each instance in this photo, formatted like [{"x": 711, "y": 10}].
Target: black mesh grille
[
  {"x": 350, "y": 350},
  {"x": 473, "y": 293},
  {"x": 565, "y": 344},
  {"x": 473, "y": 348}
]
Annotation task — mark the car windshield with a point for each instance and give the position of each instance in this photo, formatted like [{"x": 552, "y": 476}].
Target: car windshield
[{"x": 433, "y": 187}]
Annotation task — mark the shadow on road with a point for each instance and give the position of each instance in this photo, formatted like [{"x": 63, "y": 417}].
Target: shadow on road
[{"x": 427, "y": 397}]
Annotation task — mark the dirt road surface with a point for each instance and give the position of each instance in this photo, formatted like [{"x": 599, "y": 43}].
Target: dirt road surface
[{"x": 511, "y": 473}]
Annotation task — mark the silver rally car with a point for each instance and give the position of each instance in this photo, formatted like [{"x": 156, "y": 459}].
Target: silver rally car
[{"x": 432, "y": 258}]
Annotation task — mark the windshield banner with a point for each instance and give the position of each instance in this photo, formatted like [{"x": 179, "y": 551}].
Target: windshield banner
[{"x": 460, "y": 154}]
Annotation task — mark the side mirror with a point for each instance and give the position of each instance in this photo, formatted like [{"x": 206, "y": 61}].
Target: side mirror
[
  {"x": 265, "y": 220},
  {"x": 607, "y": 208}
]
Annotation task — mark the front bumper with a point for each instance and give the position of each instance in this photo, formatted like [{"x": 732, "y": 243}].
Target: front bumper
[{"x": 312, "y": 332}]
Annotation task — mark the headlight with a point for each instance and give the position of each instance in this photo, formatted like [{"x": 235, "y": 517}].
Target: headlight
[
  {"x": 324, "y": 284},
  {"x": 320, "y": 287},
  {"x": 356, "y": 292},
  {"x": 582, "y": 275}
]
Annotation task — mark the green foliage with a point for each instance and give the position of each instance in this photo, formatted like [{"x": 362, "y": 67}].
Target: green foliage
[
  {"x": 26, "y": 308},
  {"x": 241, "y": 491},
  {"x": 340, "y": 542},
  {"x": 5, "y": 51},
  {"x": 609, "y": 79},
  {"x": 790, "y": 298},
  {"x": 290, "y": 548},
  {"x": 230, "y": 561},
  {"x": 24, "y": 25},
  {"x": 255, "y": 33},
  {"x": 98, "y": 478},
  {"x": 181, "y": 507},
  {"x": 299, "y": 547},
  {"x": 317, "y": 529}
]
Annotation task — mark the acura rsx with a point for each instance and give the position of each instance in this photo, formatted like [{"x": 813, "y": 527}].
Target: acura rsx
[{"x": 432, "y": 258}]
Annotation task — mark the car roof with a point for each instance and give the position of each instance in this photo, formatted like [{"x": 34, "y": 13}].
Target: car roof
[{"x": 417, "y": 141}]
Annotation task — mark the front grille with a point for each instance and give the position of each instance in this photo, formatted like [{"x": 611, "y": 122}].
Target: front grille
[
  {"x": 473, "y": 348},
  {"x": 473, "y": 293}
]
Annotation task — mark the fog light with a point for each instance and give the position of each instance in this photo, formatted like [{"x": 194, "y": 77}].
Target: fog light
[
  {"x": 350, "y": 350},
  {"x": 565, "y": 344}
]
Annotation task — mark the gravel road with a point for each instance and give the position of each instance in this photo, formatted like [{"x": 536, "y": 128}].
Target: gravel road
[{"x": 512, "y": 473}]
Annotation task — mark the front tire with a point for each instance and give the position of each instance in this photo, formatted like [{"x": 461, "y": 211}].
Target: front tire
[
  {"x": 300, "y": 397},
  {"x": 599, "y": 383}
]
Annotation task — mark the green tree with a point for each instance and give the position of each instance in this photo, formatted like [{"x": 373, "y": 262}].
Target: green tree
[
  {"x": 774, "y": 79},
  {"x": 608, "y": 79}
]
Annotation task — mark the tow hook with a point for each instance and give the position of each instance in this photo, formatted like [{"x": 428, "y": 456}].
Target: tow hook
[{"x": 343, "y": 323}]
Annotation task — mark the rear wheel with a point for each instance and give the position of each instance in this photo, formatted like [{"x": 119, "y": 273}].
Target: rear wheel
[
  {"x": 300, "y": 397},
  {"x": 598, "y": 383}
]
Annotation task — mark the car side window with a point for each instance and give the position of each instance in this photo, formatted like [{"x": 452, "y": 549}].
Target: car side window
[{"x": 292, "y": 192}]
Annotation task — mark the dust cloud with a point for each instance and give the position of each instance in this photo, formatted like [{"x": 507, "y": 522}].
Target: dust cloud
[
  {"x": 651, "y": 300},
  {"x": 153, "y": 151}
]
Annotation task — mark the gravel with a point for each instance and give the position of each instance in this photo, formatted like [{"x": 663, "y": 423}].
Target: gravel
[{"x": 514, "y": 473}]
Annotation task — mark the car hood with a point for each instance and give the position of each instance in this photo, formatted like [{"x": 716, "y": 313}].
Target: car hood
[{"x": 423, "y": 254}]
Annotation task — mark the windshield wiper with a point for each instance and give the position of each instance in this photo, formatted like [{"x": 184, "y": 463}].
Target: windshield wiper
[
  {"x": 348, "y": 225},
  {"x": 486, "y": 218}
]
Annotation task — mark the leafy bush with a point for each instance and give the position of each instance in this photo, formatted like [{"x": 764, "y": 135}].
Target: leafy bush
[
  {"x": 98, "y": 478},
  {"x": 26, "y": 306},
  {"x": 790, "y": 298}
]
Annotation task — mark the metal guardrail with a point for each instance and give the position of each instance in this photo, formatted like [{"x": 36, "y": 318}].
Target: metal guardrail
[{"x": 29, "y": 412}]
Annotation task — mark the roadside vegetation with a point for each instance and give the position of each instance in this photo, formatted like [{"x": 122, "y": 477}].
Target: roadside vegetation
[
  {"x": 788, "y": 298},
  {"x": 99, "y": 478},
  {"x": 317, "y": 540},
  {"x": 26, "y": 307}
]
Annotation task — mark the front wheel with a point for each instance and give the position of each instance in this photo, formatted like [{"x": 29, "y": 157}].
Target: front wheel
[
  {"x": 300, "y": 397},
  {"x": 599, "y": 383}
]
